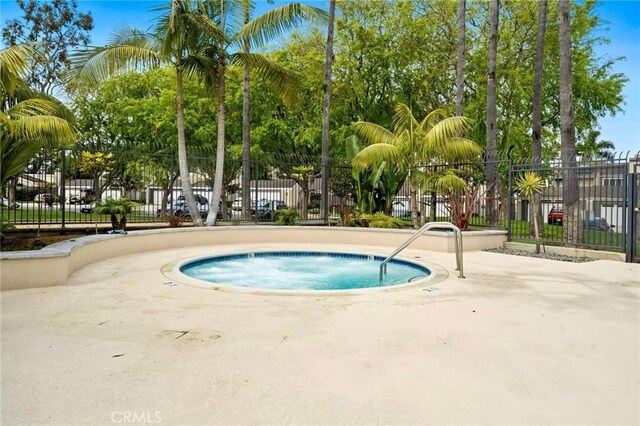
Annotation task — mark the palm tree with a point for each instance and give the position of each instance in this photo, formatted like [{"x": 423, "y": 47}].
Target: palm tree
[
  {"x": 530, "y": 184},
  {"x": 460, "y": 62},
  {"x": 567, "y": 129},
  {"x": 414, "y": 144},
  {"x": 258, "y": 32},
  {"x": 114, "y": 208},
  {"x": 491, "y": 166},
  {"x": 326, "y": 108},
  {"x": 173, "y": 41},
  {"x": 29, "y": 120},
  {"x": 591, "y": 148},
  {"x": 537, "y": 86},
  {"x": 537, "y": 100}
]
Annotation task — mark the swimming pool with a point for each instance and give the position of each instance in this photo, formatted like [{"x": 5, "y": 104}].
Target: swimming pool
[{"x": 302, "y": 270}]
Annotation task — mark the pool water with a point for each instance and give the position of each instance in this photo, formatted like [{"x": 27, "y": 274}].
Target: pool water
[{"x": 303, "y": 270}]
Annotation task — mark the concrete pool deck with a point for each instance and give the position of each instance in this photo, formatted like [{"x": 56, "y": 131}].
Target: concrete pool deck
[{"x": 519, "y": 341}]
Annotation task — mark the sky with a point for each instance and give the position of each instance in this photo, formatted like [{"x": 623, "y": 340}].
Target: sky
[{"x": 623, "y": 30}]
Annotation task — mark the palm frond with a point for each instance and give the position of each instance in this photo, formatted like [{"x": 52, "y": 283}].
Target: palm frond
[
  {"x": 279, "y": 21},
  {"x": 375, "y": 155},
  {"x": 271, "y": 72},
  {"x": 53, "y": 130},
  {"x": 460, "y": 149},
  {"x": 403, "y": 119},
  {"x": 373, "y": 133},
  {"x": 98, "y": 64},
  {"x": 449, "y": 182},
  {"x": 31, "y": 107},
  {"x": 432, "y": 118}
]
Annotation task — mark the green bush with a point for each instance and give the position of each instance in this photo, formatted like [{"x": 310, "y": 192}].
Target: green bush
[
  {"x": 4, "y": 227},
  {"x": 377, "y": 220},
  {"x": 120, "y": 207},
  {"x": 286, "y": 216}
]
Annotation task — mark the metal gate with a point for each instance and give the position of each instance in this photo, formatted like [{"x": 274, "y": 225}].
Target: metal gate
[{"x": 632, "y": 234}]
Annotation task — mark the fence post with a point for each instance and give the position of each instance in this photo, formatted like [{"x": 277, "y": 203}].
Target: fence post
[
  {"x": 510, "y": 201},
  {"x": 251, "y": 217},
  {"x": 632, "y": 196},
  {"x": 63, "y": 188}
]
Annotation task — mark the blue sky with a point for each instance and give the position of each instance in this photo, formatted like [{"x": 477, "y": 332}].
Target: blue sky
[{"x": 623, "y": 31}]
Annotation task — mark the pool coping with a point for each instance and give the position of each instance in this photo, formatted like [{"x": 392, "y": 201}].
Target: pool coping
[
  {"x": 53, "y": 265},
  {"x": 172, "y": 271}
]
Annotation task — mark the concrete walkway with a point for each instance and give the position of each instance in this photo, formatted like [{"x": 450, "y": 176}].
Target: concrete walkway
[{"x": 519, "y": 341}]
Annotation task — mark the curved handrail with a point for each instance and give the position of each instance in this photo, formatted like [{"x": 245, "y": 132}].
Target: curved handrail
[{"x": 427, "y": 226}]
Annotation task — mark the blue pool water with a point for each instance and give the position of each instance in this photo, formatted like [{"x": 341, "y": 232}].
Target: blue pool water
[{"x": 302, "y": 270}]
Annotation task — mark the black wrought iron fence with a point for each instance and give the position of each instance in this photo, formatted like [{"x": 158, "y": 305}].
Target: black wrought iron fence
[
  {"x": 600, "y": 211},
  {"x": 62, "y": 187}
]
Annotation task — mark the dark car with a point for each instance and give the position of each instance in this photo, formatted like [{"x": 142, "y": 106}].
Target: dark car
[
  {"x": 555, "y": 216},
  {"x": 180, "y": 208},
  {"x": 263, "y": 209}
]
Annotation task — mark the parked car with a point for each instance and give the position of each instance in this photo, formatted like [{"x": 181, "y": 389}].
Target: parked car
[
  {"x": 88, "y": 208},
  {"x": 237, "y": 205},
  {"x": 555, "y": 216},
  {"x": 180, "y": 208},
  {"x": 263, "y": 209},
  {"x": 5, "y": 203},
  {"x": 85, "y": 196}
]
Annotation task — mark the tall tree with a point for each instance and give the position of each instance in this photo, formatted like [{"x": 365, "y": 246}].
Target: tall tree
[
  {"x": 57, "y": 27},
  {"x": 246, "y": 122},
  {"x": 536, "y": 208},
  {"x": 570, "y": 193},
  {"x": 537, "y": 86},
  {"x": 326, "y": 108},
  {"x": 261, "y": 30},
  {"x": 174, "y": 41},
  {"x": 460, "y": 63},
  {"x": 256, "y": 32},
  {"x": 491, "y": 152}
]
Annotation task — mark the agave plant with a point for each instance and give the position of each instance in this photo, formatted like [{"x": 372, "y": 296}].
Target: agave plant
[{"x": 529, "y": 185}]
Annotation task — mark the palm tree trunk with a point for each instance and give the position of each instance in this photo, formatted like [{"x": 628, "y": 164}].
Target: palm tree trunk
[
  {"x": 461, "y": 49},
  {"x": 219, "y": 172},
  {"x": 537, "y": 108},
  {"x": 246, "y": 129},
  {"x": 491, "y": 154},
  {"x": 182, "y": 151},
  {"x": 413, "y": 199},
  {"x": 535, "y": 223},
  {"x": 570, "y": 220},
  {"x": 326, "y": 106},
  {"x": 537, "y": 87}
]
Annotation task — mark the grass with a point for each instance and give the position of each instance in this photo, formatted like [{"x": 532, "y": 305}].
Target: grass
[{"x": 30, "y": 215}]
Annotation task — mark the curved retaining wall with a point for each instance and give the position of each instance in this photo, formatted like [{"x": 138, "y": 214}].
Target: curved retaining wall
[{"x": 53, "y": 265}]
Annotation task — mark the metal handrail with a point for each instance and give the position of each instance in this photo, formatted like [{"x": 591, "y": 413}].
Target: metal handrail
[{"x": 430, "y": 225}]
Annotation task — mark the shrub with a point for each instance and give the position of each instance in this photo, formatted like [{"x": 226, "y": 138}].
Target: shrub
[
  {"x": 121, "y": 207},
  {"x": 286, "y": 216},
  {"x": 377, "y": 220},
  {"x": 4, "y": 227}
]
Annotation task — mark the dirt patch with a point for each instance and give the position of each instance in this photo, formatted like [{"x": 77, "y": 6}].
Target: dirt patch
[{"x": 18, "y": 240}]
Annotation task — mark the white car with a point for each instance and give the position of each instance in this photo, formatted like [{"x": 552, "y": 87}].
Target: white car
[{"x": 5, "y": 203}]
